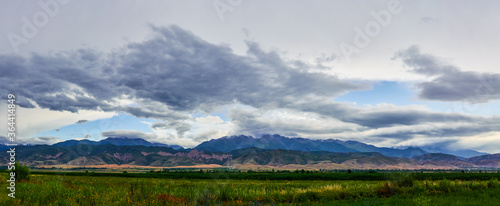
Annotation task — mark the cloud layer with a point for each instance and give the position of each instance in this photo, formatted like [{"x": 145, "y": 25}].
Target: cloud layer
[
  {"x": 175, "y": 68},
  {"x": 449, "y": 83},
  {"x": 131, "y": 134},
  {"x": 175, "y": 74}
]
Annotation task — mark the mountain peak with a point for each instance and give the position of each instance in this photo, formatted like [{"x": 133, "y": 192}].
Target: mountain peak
[{"x": 275, "y": 141}]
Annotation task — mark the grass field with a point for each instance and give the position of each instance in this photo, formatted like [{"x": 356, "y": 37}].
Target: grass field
[{"x": 246, "y": 189}]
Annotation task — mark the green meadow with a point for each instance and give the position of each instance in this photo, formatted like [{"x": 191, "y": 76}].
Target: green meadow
[{"x": 246, "y": 189}]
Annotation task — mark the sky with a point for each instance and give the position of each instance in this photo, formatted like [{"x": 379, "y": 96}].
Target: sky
[{"x": 388, "y": 73}]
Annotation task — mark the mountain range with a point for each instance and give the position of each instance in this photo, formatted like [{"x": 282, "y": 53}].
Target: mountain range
[
  {"x": 227, "y": 144},
  {"x": 268, "y": 151},
  {"x": 131, "y": 156},
  {"x": 119, "y": 141}
]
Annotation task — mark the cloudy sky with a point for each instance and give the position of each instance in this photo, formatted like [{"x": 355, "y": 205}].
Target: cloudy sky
[{"x": 388, "y": 73}]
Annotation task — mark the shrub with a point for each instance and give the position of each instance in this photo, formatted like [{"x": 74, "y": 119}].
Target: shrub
[
  {"x": 403, "y": 180},
  {"x": 446, "y": 186},
  {"x": 385, "y": 190},
  {"x": 493, "y": 183},
  {"x": 22, "y": 171}
]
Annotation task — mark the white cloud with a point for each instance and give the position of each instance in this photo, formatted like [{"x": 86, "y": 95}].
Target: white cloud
[
  {"x": 209, "y": 119},
  {"x": 486, "y": 142},
  {"x": 31, "y": 121}
]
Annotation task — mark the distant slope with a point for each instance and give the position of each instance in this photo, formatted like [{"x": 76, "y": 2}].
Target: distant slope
[
  {"x": 227, "y": 144},
  {"x": 277, "y": 157},
  {"x": 75, "y": 142},
  {"x": 444, "y": 159},
  {"x": 459, "y": 153},
  {"x": 120, "y": 141},
  {"x": 492, "y": 160},
  {"x": 85, "y": 154},
  {"x": 437, "y": 157},
  {"x": 362, "y": 147}
]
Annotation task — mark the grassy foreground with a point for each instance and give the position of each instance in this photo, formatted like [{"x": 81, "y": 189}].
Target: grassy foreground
[{"x": 399, "y": 190}]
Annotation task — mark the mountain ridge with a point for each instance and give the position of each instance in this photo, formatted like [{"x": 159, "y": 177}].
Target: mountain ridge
[
  {"x": 227, "y": 144},
  {"x": 246, "y": 152},
  {"x": 119, "y": 141},
  {"x": 138, "y": 155}
]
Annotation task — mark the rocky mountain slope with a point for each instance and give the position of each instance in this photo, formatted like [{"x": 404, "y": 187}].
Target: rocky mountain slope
[
  {"x": 120, "y": 141},
  {"x": 227, "y": 144},
  {"x": 85, "y": 155}
]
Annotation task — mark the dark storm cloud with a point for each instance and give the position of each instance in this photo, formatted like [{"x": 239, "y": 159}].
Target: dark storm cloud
[
  {"x": 376, "y": 117},
  {"x": 180, "y": 127},
  {"x": 174, "y": 68},
  {"x": 160, "y": 125},
  {"x": 82, "y": 121},
  {"x": 253, "y": 123},
  {"x": 387, "y": 121},
  {"x": 23, "y": 102},
  {"x": 450, "y": 83},
  {"x": 50, "y": 81},
  {"x": 147, "y": 111},
  {"x": 131, "y": 134},
  {"x": 249, "y": 124},
  {"x": 186, "y": 73},
  {"x": 391, "y": 117},
  {"x": 461, "y": 129}
]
